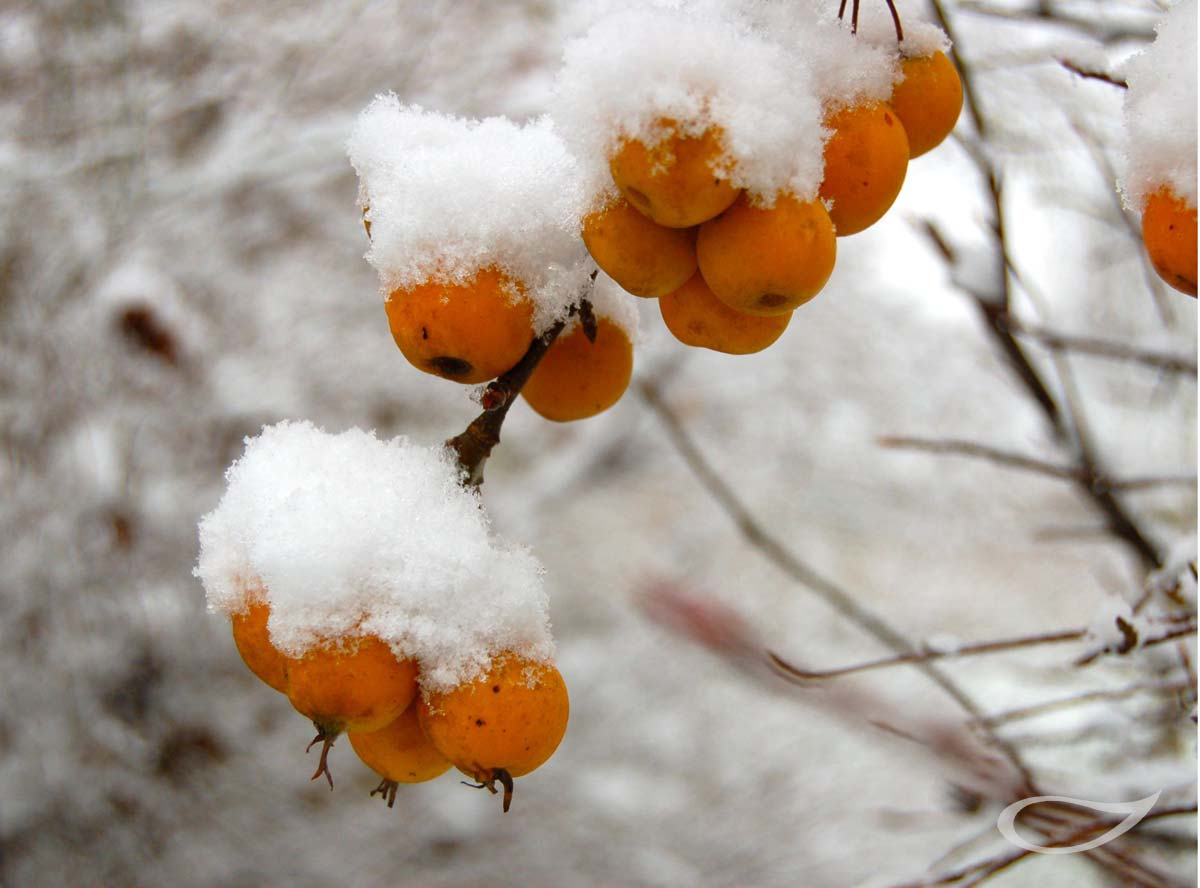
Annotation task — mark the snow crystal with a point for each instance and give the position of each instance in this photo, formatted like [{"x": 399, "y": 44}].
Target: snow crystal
[
  {"x": 447, "y": 197},
  {"x": 351, "y": 535},
  {"x": 1160, "y": 112}
]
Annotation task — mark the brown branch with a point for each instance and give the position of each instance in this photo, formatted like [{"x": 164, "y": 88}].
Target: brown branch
[
  {"x": 831, "y": 593},
  {"x": 995, "y": 314},
  {"x": 1125, "y": 647},
  {"x": 981, "y": 451},
  {"x": 1031, "y": 464},
  {"x": 985, "y": 869},
  {"x": 1104, "y": 348},
  {"x": 475, "y": 443},
  {"x": 1093, "y": 75},
  {"x": 792, "y": 672},
  {"x": 1083, "y": 699}
]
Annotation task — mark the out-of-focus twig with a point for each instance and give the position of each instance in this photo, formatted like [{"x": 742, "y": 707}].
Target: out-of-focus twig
[
  {"x": 996, "y": 309},
  {"x": 826, "y": 589},
  {"x": 1104, "y": 348},
  {"x": 1089, "y": 74},
  {"x": 1031, "y": 464},
  {"x": 981, "y": 871},
  {"x": 1083, "y": 699},
  {"x": 967, "y": 650}
]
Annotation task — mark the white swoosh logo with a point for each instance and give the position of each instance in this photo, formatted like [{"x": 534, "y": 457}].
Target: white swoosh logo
[{"x": 1134, "y": 812}]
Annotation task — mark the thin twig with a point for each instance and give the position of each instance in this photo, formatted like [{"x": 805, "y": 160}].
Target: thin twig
[
  {"x": 1104, "y": 348},
  {"x": 1093, "y": 75},
  {"x": 826, "y": 589},
  {"x": 1181, "y": 632},
  {"x": 474, "y": 444},
  {"x": 1083, "y": 699},
  {"x": 1031, "y": 464},
  {"x": 996, "y": 311},
  {"x": 791, "y": 671}
]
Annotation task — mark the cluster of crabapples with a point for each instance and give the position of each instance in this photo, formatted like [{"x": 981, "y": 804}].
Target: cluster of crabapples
[
  {"x": 680, "y": 194},
  {"x": 729, "y": 270},
  {"x": 502, "y": 724}
]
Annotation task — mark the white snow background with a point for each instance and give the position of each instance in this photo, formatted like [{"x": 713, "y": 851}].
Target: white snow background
[{"x": 182, "y": 263}]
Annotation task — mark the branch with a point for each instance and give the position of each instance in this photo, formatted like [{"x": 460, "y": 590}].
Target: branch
[
  {"x": 1104, "y": 348},
  {"x": 1093, "y": 75},
  {"x": 826, "y": 589},
  {"x": 996, "y": 312},
  {"x": 1085, "y": 698},
  {"x": 474, "y": 444},
  {"x": 1032, "y": 464},
  {"x": 793, "y": 672}
]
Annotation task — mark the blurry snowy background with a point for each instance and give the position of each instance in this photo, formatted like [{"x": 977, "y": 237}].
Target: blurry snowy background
[{"x": 181, "y": 263}]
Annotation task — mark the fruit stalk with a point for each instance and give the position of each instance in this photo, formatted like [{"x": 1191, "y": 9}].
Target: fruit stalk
[{"x": 474, "y": 444}]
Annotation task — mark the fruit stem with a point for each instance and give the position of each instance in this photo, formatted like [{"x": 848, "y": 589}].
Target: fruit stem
[
  {"x": 387, "y": 791},
  {"x": 474, "y": 444},
  {"x": 325, "y": 737},
  {"x": 489, "y": 783}
]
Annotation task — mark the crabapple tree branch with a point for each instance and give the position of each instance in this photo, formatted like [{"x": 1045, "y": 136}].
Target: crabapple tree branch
[
  {"x": 754, "y": 533},
  {"x": 1183, "y": 365},
  {"x": 1030, "y": 464},
  {"x": 996, "y": 311},
  {"x": 475, "y": 443}
]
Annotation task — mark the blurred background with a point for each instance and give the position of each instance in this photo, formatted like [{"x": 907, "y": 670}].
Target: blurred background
[{"x": 181, "y": 263}]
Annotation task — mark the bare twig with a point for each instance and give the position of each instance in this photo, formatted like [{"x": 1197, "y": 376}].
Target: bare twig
[
  {"x": 1183, "y": 365},
  {"x": 792, "y": 671},
  {"x": 995, "y": 313},
  {"x": 1089, "y": 74},
  {"x": 1083, "y": 699},
  {"x": 474, "y": 444},
  {"x": 1181, "y": 632},
  {"x": 826, "y": 589},
  {"x": 1031, "y": 464},
  {"x": 985, "y": 869}
]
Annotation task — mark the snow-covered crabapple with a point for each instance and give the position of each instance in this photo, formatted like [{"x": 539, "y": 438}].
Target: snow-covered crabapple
[
  {"x": 645, "y": 258},
  {"x": 865, "y": 162},
  {"x": 927, "y": 100},
  {"x": 676, "y": 181},
  {"x": 695, "y": 316},
  {"x": 469, "y": 332},
  {"x": 578, "y": 378},
  {"x": 503, "y": 724},
  {"x": 767, "y": 261},
  {"x": 1169, "y": 232}
]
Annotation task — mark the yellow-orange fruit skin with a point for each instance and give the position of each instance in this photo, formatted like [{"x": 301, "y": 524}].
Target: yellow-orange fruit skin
[
  {"x": 674, "y": 182},
  {"x": 865, "y": 162},
  {"x": 577, "y": 378},
  {"x": 512, "y": 718},
  {"x": 356, "y": 686},
  {"x": 767, "y": 261},
  {"x": 469, "y": 332},
  {"x": 645, "y": 258},
  {"x": 697, "y": 317},
  {"x": 927, "y": 101},
  {"x": 400, "y": 751},
  {"x": 1169, "y": 232},
  {"x": 254, "y": 644}
]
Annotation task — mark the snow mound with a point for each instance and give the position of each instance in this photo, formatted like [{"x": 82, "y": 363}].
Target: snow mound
[
  {"x": 448, "y": 196},
  {"x": 1160, "y": 112},
  {"x": 352, "y": 535}
]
